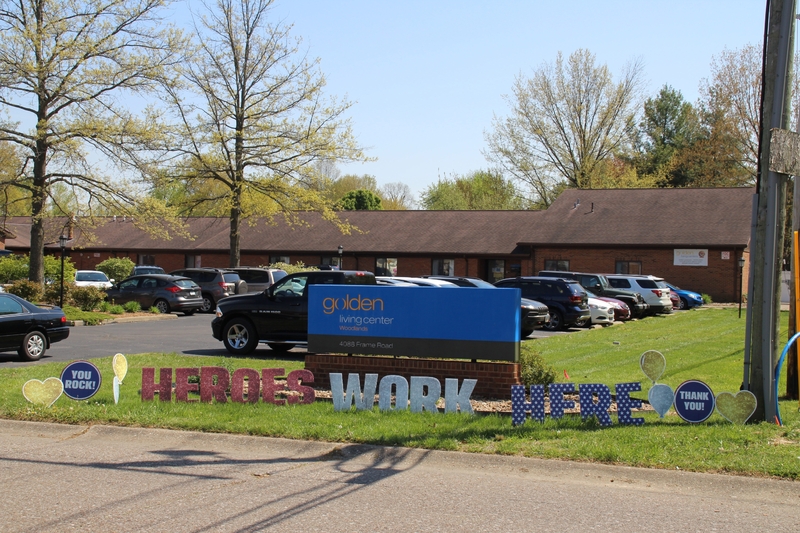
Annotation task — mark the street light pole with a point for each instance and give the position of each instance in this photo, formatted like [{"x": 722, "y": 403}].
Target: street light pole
[
  {"x": 741, "y": 284},
  {"x": 62, "y": 242},
  {"x": 341, "y": 249}
]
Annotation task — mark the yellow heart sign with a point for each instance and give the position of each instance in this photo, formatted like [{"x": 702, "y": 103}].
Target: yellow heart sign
[
  {"x": 120, "y": 365},
  {"x": 43, "y": 392},
  {"x": 737, "y": 408}
]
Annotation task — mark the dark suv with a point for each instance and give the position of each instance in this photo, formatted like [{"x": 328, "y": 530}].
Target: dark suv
[
  {"x": 215, "y": 284},
  {"x": 533, "y": 314},
  {"x": 599, "y": 285},
  {"x": 566, "y": 299},
  {"x": 277, "y": 316}
]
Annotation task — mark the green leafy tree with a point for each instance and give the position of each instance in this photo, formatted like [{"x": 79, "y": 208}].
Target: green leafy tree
[
  {"x": 17, "y": 267},
  {"x": 481, "y": 189},
  {"x": 116, "y": 268},
  {"x": 360, "y": 200},
  {"x": 254, "y": 121},
  {"x": 564, "y": 121},
  {"x": 67, "y": 68}
]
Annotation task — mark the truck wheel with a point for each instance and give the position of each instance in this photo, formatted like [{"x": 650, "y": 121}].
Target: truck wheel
[{"x": 241, "y": 337}]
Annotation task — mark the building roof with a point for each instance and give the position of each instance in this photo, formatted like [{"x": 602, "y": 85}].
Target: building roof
[
  {"x": 648, "y": 217},
  {"x": 610, "y": 217}
]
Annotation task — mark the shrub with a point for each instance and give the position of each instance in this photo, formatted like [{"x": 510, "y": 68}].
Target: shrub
[
  {"x": 87, "y": 298},
  {"x": 29, "y": 290},
  {"x": 105, "y": 306},
  {"x": 533, "y": 370},
  {"x": 707, "y": 298},
  {"x": 116, "y": 268},
  {"x": 132, "y": 307},
  {"x": 52, "y": 293},
  {"x": 116, "y": 310},
  {"x": 291, "y": 269},
  {"x": 155, "y": 310}
]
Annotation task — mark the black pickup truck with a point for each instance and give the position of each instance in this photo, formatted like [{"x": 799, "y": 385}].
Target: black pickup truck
[
  {"x": 598, "y": 284},
  {"x": 277, "y": 316}
]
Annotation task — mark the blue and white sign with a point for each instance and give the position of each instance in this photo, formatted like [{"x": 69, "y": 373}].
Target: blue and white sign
[
  {"x": 694, "y": 401},
  {"x": 81, "y": 380},
  {"x": 465, "y": 323}
]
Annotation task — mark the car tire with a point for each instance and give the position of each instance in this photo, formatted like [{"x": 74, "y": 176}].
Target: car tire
[
  {"x": 208, "y": 304},
  {"x": 162, "y": 306},
  {"x": 684, "y": 304},
  {"x": 525, "y": 333},
  {"x": 276, "y": 347},
  {"x": 240, "y": 336},
  {"x": 189, "y": 312},
  {"x": 556, "y": 321},
  {"x": 33, "y": 346},
  {"x": 584, "y": 323}
]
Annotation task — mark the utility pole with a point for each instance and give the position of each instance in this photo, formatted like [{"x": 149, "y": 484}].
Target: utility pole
[{"x": 767, "y": 250}]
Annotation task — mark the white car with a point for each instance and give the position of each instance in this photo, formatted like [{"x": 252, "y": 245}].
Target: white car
[
  {"x": 420, "y": 282},
  {"x": 602, "y": 313},
  {"x": 654, "y": 290},
  {"x": 92, "y": 278}
]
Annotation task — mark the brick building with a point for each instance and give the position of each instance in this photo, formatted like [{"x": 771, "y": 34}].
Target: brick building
[{"x": 645, "y": 231}]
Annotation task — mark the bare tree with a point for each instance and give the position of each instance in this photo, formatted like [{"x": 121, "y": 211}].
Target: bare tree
[
  {"x": 66, "y": 68},
  {"x": 565, "y": 120},
  {"x": 397, "y": 196},
  {"x": 255, "y": 121}
]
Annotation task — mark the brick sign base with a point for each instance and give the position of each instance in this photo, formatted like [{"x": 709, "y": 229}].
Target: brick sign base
[{"x": 494, "y": 378}]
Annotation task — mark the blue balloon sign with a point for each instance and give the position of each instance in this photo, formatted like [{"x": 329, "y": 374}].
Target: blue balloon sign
[
  {"x": 694, "y": 401},
  {"x": 81, "y": 380}
]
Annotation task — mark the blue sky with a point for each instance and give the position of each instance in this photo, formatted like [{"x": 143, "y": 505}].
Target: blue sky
[{"x": 428, "y": 76}]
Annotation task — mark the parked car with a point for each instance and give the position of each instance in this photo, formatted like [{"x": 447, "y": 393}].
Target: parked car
[
  {"x": 259, "y": 279},
  {"x": 648, "y": 286},
  {"x": 688, "y": 299},
  {"x": 92, "y": 278},
  {"x": 565, "y": 298},
  {"x": 421, "y": 282},
  {"x": 621, "y": 310},
  {"x": 675, "y": 299},
  {"x": 602, "y": 313},
  {"x": 165, "y": 292},
  {"x": 390, "y": 282},
  {"x": 28, "y": 329},
  {"x": 215, "y": 284},
  {"x": 147, "y": 269},
  {"x": 533, "y": 314},
  {"x": 599, "y": 285},
  {"x": 277, "y": 316}
]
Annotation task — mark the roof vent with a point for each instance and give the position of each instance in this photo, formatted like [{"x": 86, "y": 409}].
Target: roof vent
[{"x": 577, "y": 203}]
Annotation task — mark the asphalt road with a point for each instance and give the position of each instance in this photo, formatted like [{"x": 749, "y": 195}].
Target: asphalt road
[
  {"x": 188, "y": 335},
  {"x": 100, "y": 478}
]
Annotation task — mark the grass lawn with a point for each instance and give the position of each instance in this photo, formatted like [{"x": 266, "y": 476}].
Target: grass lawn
[{"x": 705, "y": 344}]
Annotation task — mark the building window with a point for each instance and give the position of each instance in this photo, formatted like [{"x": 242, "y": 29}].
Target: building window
[
  {"x": 330, "y": 261},
  {"x": 628, "y": 267},
  {"x": 192, "y": 261},
  {"x": 556, "y": 264},
  {"x": 444, "y": 267},
  {"x": 515, "y": 270},
  {"x": 148, "y": 260},
  {"x": 386, "y": 266},
  {"x": 279, "y": 259},
  {"x": 496, "y": 269}
]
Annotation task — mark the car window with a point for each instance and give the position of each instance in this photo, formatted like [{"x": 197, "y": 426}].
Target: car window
[
  {"x": 129, "y": 284},
  {"x": 552, "y": 287},
  {"x": 575, "y": 288},
  {"x": 185, "y": 283},
  {"x": 90, "y": 276},
  {"x": 204, "y": 277},
  {"x": 9, "y": 306},
  {"x": 328, "y": 279},
  {"x": 291, "y": 287},
  {"x": 149, "y": 283},
  {"x": 619, "y": 283},
  {"x": 279, "y": 275},
  {"x": 590, "y": 282},
  {"x": 231, "y": 277},
  {"x": 647, "y": 283}
]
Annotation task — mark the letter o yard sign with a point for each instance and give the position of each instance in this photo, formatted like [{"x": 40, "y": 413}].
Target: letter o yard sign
[
  {"x": 81, "y": 380},
  {"x": 694, "y": 401}
]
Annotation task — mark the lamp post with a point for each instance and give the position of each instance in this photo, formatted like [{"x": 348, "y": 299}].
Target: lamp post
[
  {"x": 341, "y": 249},
  {"x": 741, "y": 283},
  {"x": 62, "y": 242}
]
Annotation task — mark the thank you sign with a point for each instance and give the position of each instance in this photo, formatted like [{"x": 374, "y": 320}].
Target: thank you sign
[{"x": 456, "y": 323}]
